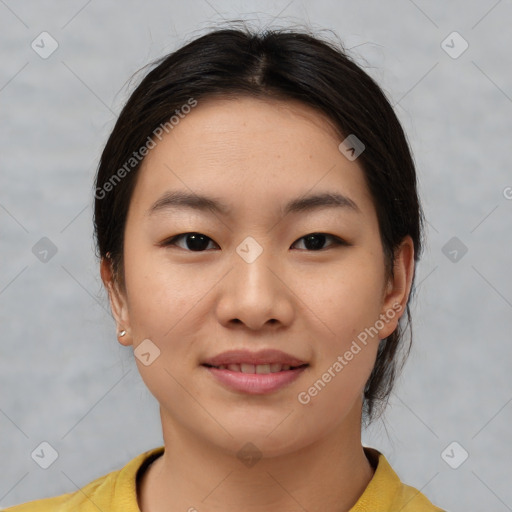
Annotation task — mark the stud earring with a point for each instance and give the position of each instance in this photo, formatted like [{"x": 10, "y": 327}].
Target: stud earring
[{"x": 122, "y": 333}]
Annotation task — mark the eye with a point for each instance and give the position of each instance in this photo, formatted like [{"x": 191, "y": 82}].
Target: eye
[
  {"x": 314, "y": 241},
  {"x": 197, "y": 242}
]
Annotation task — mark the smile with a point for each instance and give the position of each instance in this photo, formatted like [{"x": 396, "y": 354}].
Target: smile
[
  {"x": 255, "y": 379},
  {"x": 260, "y": 369}
]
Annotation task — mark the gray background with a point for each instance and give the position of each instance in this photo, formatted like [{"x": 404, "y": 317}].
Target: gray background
[{"x": 64, "y": 377}]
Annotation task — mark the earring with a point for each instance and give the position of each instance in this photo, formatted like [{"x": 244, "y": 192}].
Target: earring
[{"x": 122, "y": 333}]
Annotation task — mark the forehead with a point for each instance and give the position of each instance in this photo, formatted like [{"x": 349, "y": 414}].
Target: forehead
[{"x": 258, "y": 152}]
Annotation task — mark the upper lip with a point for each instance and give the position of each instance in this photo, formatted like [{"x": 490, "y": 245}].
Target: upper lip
[{"x": 267, "y": 356}]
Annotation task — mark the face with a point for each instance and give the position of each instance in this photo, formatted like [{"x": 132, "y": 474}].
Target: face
[{"x": 254, "y": 275}]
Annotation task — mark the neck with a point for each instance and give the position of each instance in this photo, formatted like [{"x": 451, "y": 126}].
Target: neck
[{"x": 329, "y": 474}]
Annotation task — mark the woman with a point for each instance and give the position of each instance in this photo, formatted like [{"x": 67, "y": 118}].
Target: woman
[{"x": 258, "y": 225}]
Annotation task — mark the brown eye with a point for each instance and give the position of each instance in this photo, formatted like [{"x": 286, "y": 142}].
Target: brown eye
[
  {"x": 315, "y": 241},
  {"x": 195, "y": 242}
]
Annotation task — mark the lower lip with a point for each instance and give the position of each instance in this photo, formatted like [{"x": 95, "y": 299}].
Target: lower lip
[{"x": 255, "y": 383}]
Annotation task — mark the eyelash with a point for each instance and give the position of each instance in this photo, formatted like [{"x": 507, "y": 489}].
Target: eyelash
[{"x": 337, "y": 241}]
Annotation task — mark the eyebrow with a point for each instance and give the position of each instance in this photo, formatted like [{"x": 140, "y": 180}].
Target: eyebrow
[{"x": 181, "y": 199}]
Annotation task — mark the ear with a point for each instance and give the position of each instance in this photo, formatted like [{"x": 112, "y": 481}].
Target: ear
[
  {"x": 398, "y": 287},
  {"x": 118, "y": 303}
]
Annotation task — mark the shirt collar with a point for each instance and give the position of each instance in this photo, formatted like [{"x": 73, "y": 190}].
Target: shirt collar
[{"x": 377, "y": 496}]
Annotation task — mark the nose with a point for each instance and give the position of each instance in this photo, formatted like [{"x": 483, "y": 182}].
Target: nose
[{"x": 255, "y": 293}]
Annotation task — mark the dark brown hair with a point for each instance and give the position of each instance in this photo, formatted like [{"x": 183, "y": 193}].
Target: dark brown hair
[{"x": 287, "y": 65}]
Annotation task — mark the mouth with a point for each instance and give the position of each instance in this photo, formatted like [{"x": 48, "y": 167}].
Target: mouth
[
  {"x": 255, "y": 373},
  {"x": 260, "y": 369}
]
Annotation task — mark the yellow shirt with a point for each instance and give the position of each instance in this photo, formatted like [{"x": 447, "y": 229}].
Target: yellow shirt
[{"x": 117, "y": 491}]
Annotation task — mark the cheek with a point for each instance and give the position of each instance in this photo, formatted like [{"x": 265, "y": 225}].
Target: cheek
[
  {"x": 161, "y": 301},
  {"x": 347, "y": 306},
  {"x": 159, "y": 294},
  {"x": 347, "y": 298}
]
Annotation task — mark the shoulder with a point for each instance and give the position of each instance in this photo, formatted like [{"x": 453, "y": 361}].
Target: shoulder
[
  {"x": 82, "y": 500},
  {"x": 115, "y": 491},
  {"x": 387, "y": 493},
  {"x": 409, "y": 499}
]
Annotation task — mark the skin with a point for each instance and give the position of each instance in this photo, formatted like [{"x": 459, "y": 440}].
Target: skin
[{"x": 255, "y": 155}]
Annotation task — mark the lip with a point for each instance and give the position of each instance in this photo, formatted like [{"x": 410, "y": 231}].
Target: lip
[
  {"x": 267, "y": 356},
  {"x": 255, "y": 383}
]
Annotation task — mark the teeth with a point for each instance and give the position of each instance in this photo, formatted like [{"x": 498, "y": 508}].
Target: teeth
[
  {"x": 255, "y": 368},
  {"x": 263, "y": 368},
  {"x": 247, "y": 368}
]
